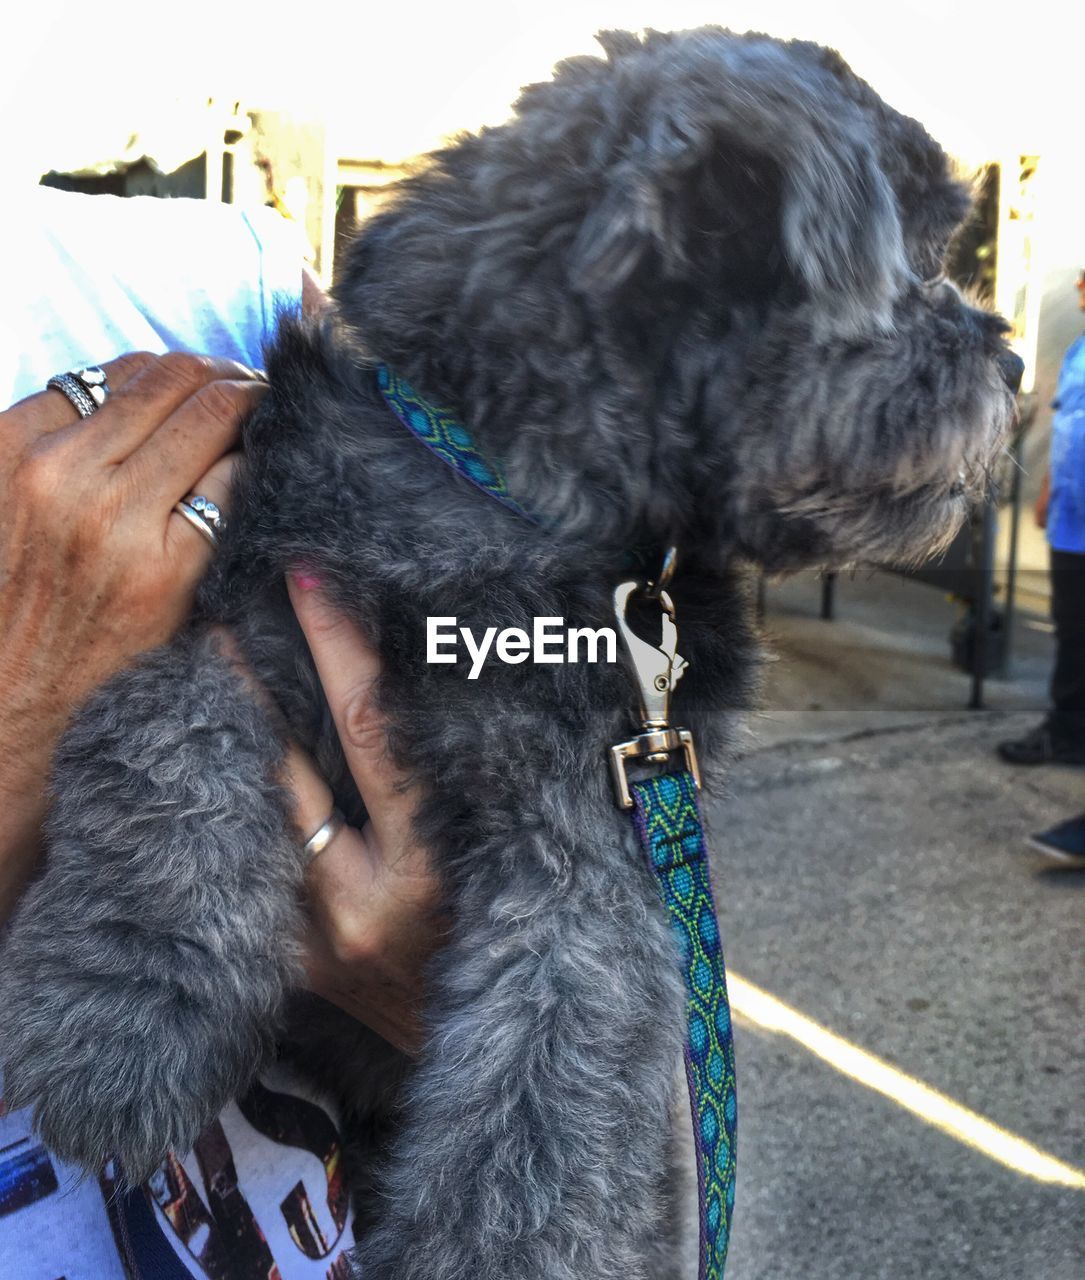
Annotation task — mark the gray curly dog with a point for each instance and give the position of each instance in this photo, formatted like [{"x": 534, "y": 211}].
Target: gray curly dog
[{"x": 686, "y": 295}]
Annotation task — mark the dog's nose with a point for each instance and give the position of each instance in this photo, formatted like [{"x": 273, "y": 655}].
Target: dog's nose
[{"x": 1012, "y": 367}]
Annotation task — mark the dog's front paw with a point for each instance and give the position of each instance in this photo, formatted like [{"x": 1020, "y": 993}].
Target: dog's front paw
[
  {"x": 143, "y": 973},
  {"x": 115, "y": 1069}
]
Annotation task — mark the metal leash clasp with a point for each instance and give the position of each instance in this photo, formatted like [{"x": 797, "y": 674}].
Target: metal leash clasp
[{"x": 656, "y": 669}]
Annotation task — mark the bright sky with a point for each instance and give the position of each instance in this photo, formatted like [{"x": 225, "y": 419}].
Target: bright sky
[{"x": 986, "y": 78}]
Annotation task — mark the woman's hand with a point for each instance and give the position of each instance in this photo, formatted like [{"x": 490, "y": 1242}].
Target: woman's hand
[
  {"x": 95, "y": 565},
  {"x": 374, "y": 899}
]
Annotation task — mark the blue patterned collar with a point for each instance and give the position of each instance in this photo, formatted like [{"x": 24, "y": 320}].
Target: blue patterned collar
[{"x": 446, "y": 436}]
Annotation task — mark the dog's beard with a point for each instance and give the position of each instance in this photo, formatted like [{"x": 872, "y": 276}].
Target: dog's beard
[
  {"x": 858, "y": 481},
  {"x": 904, "y": 521}
]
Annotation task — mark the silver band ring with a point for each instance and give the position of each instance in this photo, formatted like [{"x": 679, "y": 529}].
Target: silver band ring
[
  {"x": 204, "y": 515},
  {"x": 324, "y": 835},
  {"x": 74, "y": 392},
  {"x": 86, "y": 389}
]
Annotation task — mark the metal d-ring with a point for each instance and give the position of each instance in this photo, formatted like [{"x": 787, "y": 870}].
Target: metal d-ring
[{"x": 657, "y": 586}]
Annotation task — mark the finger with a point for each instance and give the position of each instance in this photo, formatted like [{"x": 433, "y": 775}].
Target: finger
[
  {"x": 190, "y": 440},
  {"x": 349, "y": 668},
  {"x": 312, "y": 797},
  {"x": 182, "y": 537},
  {"x": 371, "y": 931},
  {"x": 313, "y": 800},
  {"x": 136, "y": 410},
  {"x": 53, "y": 411},
  {"x": 345, "y": 901},
  {"x": 356, "y": 895},
  {"x": 343, "y": 877}
]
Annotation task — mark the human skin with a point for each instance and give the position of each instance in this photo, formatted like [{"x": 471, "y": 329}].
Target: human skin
[{"x": 96, "y": 567}]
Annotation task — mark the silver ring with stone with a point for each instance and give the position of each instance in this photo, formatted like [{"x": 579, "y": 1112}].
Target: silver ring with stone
[
  {"x": 92, "y": 378},
  {"x": 202, "y": 514},
  {"x": 324, "y": 835},
  {"x": 87, "y": 389}
]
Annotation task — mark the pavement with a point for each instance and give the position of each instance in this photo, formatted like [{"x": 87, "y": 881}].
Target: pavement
[{"x": 873, "y": 876}]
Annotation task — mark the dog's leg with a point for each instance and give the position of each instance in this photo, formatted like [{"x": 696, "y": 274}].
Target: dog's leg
[
  {"x": 536, "y": 1125},
  {"x": 673, "y": 1253},
  {"x": 144, "y": 970},
  {"x": 362, "y": 1075}
]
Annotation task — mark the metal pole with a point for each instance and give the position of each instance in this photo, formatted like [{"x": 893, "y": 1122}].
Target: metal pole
[
  {"x": 982, "y": 605},
  {"x": 1027, "y": 408},
  {"x": 1014, "y": 452}
]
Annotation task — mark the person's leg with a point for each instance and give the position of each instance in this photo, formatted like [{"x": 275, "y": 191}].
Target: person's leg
[
  {"x": 1067, "y": 718},
  {"x": 1060, "y": 737}
]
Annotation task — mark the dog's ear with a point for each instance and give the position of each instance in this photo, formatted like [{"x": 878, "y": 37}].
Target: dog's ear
[{"x": 727, "y": 120}]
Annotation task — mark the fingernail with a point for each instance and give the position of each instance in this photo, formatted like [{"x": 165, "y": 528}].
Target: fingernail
[{"x": 304, "y": 580}]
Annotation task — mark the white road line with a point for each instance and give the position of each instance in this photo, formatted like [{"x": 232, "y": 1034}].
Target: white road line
[{"x": 968, "y": 1127}]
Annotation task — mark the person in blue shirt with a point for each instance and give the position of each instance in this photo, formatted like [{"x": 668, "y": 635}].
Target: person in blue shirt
[
  {"x": 1060, "y": 737},
  {"x": 1060, "y": 508}
]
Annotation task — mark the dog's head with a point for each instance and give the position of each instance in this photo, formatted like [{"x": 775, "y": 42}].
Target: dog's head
[{"x": 691, "y": 293}]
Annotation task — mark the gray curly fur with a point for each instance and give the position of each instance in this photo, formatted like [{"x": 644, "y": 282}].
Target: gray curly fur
[{"x": 680, "y": 298}]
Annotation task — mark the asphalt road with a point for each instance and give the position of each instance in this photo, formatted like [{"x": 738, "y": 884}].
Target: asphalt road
[{"x": 872, "y": 873}]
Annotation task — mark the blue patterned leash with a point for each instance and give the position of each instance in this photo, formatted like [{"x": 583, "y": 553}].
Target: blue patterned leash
[
  {"x": 667, "y": 821},
  {"x": 668, "y": 824}
]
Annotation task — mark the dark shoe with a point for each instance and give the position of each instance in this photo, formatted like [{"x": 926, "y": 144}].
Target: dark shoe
[
  {"x": 1066, "y": 842},
  {"x": 1041, "y": 747}
]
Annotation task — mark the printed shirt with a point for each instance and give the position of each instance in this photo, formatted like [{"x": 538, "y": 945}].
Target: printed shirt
[
  {"x": 261, "y": 1195},
  {"x": 1066, "y": 512}
]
